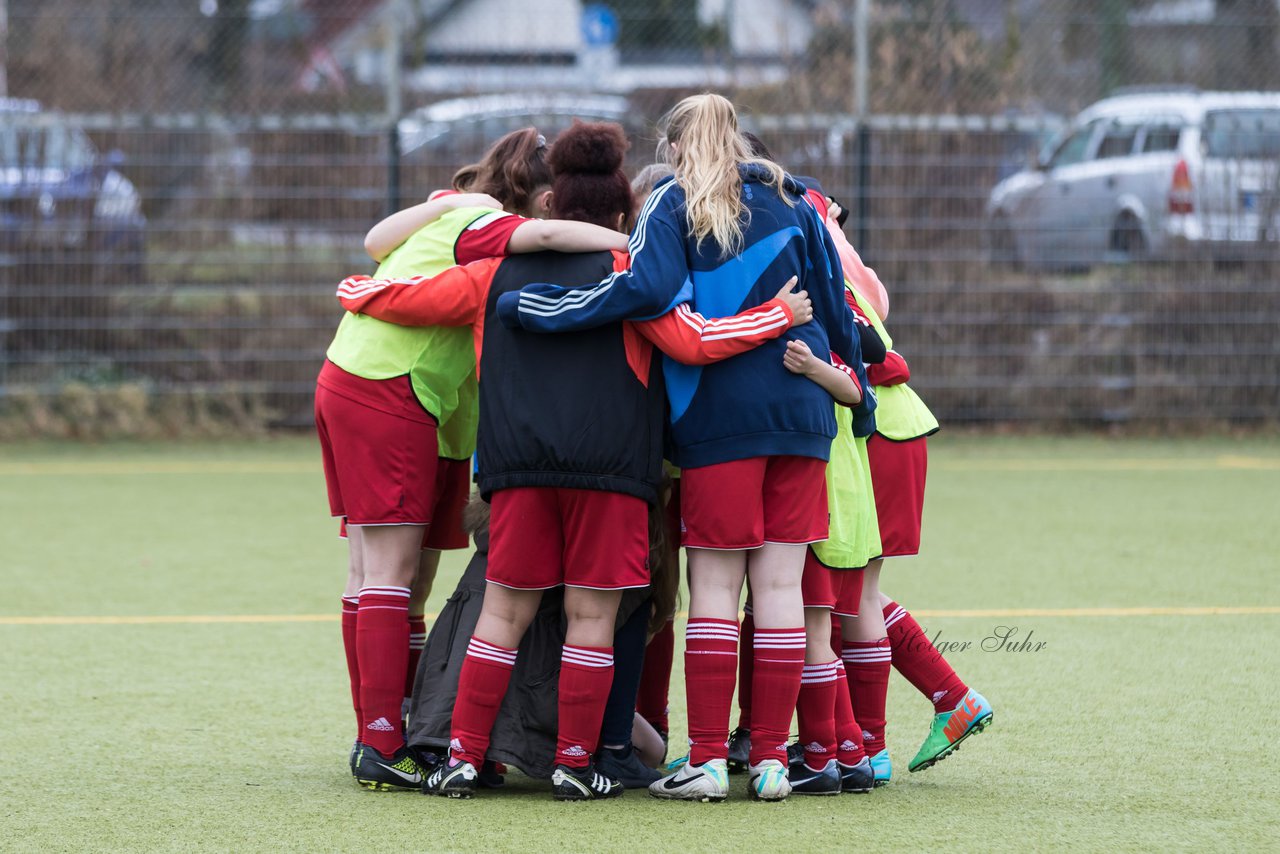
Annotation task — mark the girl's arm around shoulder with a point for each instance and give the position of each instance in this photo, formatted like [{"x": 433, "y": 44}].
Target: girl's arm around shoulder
[
  {"x": 688, "y": 337},
  {"x": 455, "y": 297},
  {"x": 893, "y": 371},
  {"x": 652, "y": 286},
  {"x": 562, "y": 235},
  {"x": 839, "y": 382},
  {"x": 388, "y": 234}
]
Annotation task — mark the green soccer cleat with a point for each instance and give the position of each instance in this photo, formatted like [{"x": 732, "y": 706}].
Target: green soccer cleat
[
  {"x": 387, "y": 773},
  {"x": 971, "y": 715}
]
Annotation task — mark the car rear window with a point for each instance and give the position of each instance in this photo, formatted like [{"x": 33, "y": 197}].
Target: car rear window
[
  {"x": 1242, "y": 134},
  {"x": 1161, "y": 137},
  {"x": 1118, "y": 142}
]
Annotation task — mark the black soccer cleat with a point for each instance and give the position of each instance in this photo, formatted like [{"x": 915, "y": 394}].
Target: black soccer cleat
[
  {"x": 739, "y": 758},
  {"x": 806, "y": 781},
  {"x": 858, "y": 778},
  {"x": 582, "y": 784},
  {"x": 351, "y": 760},
  {"x": 624, "y": 765},
  {"x": 386, "y": 773},
  {"x": 452, "y": 780}
]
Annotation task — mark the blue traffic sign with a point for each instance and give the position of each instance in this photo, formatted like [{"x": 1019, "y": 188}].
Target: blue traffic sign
[{"x": 599, "y": 25}]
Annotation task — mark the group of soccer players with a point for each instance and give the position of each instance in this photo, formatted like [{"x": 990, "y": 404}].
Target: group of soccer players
[{"x": 514, "y": 310}]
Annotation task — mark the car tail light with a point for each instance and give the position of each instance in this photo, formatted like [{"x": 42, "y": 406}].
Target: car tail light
[{"x": 1180, "y": 195}]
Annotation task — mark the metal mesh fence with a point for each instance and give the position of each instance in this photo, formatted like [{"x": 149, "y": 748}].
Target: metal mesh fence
[{"x": 184, "y": 182}]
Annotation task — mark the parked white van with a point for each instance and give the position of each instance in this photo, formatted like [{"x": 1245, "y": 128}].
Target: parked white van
[{"x": 1147, "y": 175}]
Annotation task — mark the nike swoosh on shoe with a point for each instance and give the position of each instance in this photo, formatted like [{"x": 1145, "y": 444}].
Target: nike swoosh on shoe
[
  {"x": 412, "y": 778},
  {"x": 679, "y": 783}
]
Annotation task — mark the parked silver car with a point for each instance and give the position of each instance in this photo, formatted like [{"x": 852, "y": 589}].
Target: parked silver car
[{"x": 1147, "y": 175}]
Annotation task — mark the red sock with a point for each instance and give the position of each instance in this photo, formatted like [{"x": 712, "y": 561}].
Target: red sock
[
  {"x": 586, "y": 673},
  {"x": 417, "y": 643},
  {"x": 867, "y": 666},
  {"x": 816, "y": 710},
  {"x": 745, "y": 670},
  {"x": 710, "y": 665},
  {"x": 353, "y": 665},
  {"x": 382, "y": 647},
  {"x": 655, "y": 678},
  {"x": 486, "y": 672},
  {"x": 920, "y": 662},
  {"x": 775, "y": 685},
  {"x": 849, "y": 748}
]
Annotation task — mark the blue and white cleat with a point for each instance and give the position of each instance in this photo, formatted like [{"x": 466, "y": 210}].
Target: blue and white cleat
[
  {"x": 769, "y": 781},
  {"x": 708, "y": 782},
  {"x": 882, "y": 767}
]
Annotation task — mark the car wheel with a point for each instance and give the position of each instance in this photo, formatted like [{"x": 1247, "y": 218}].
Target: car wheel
[{"x": 1128, "y": 242}]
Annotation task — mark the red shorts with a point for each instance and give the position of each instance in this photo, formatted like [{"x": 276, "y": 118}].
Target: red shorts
[
  {"x": 743, "y": 504},
  {"x": 897, "y": 478},
  {"x": 541, "y": 537},
  {"x": 837, "y": 589},
  {"x": 380, "y": 461},
  {"x": 815, "y": 584},
  {"x": 846, "y": 587},
  {"x": 453, "y": 490}
]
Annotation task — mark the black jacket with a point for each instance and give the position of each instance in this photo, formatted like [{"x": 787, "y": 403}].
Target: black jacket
[{"x": 565, "y": 410}]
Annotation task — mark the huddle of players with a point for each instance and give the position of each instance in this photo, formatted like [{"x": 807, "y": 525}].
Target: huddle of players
[{"x": 469, "y": 328}]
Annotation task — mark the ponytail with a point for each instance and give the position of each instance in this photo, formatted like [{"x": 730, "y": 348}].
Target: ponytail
[{"x": 709, "y": 147}]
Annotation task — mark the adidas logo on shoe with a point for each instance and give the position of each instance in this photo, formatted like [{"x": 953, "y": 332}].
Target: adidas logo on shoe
[{"x": 381, "y": 725}]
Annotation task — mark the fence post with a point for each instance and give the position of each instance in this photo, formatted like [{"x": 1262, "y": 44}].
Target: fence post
[
  {"x": 861, "y": 97},
  {"x": 864, "y": 180},
  {"x": 397, "y": 14}
]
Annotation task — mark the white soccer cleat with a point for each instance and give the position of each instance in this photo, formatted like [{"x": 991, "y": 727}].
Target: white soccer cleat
[
  {"x": 708, "y": 782},
  {"x": 769, "y": 781}
]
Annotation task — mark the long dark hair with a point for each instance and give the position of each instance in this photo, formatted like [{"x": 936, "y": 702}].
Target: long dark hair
[{"x": 510, "y": 171}]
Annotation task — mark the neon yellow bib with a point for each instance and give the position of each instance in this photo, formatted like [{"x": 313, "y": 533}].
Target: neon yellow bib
[
  {"x": 854, "y": 537},
  {"x": 901, "y": 414},
  {"x": 440, "y": 361}
]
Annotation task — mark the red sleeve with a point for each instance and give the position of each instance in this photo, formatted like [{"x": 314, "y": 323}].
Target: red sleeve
[
  {"x": 843, "y": 368},
  {"x": 455, "y": 297},
  {"x": 487, "y": 237},
  {"x": 858, "y": 314},
  {"x": 818, "y": 201},
  {"x": 688, "y": 337},
  {"x": 893, "y": 371}
]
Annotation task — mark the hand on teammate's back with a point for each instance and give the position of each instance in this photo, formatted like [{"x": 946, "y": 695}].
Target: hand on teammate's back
[
  {"x": 799, "y": 359},
  {"x": 798, "y": 301}
]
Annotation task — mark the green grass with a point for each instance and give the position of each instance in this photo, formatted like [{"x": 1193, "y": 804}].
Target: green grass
[{"x": 1123, "y": 732}]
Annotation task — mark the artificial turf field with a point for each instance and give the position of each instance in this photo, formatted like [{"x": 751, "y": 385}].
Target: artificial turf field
[{"x": 172, "y": 674}]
